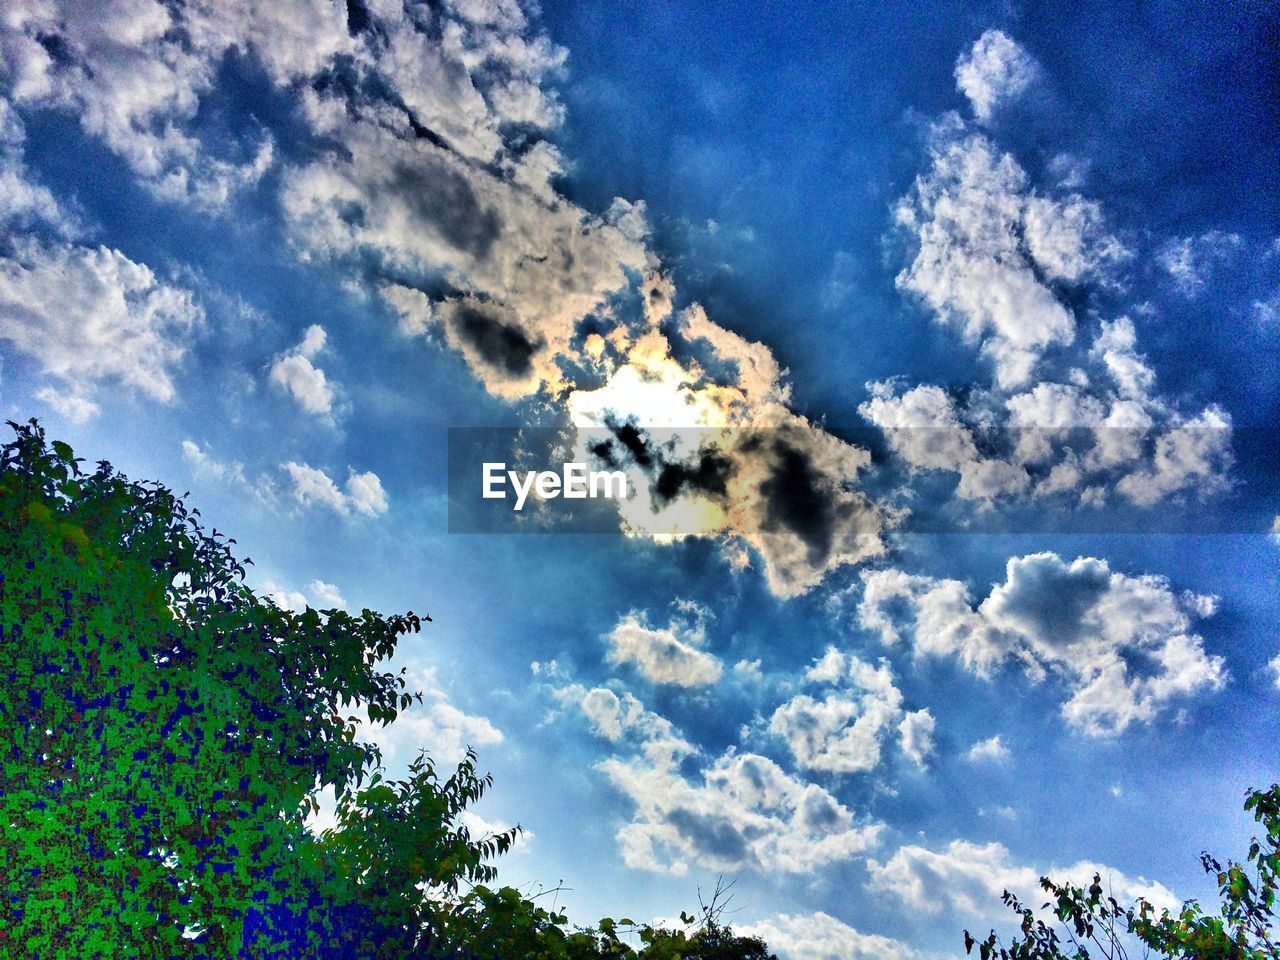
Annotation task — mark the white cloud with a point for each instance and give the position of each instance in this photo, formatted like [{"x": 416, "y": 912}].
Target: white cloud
[
  {"x": 820, "y": 936},
  {"x": 25, "y": 203},
  {"x": 75, "y": 408},
  {"x": 435, "y": 725},
  {"x": 1190, "y": 261},
  {"x": 1122, "y": 644},
  {"x": 1274, "y": 666},
  {"x": 327, "y": 594},
  {"x": 133, "y": 73},
  {"x": 921, "y": 425},
  {"x": 479, "y": 827},
  {"x": 737, "y": 811},
  {"x": 318, "y": 595},
  {"x": 988, "y": 247},
  {"x": 995, "y": 71},
  {"x": 992, "y": 749},
  {"x": 749, "y": 670},
  {"x": 670, "y": 654},
  {"x": 310, "y": 485},
  {"x": 1000, "y": 260},
  {"x": 842, "y": 732},
  {"x": 1063, "y": 439},
  {"x": 916, "y": 730},
  {"x": 91, "y": 316},
  {"x": 294, "y": 372},
  {"x": 969, "y": 878}
]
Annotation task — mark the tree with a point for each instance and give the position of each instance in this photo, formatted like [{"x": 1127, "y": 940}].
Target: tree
[
  {"x": 1244, "y": 927},
  {"x": 166, "y": 731}
]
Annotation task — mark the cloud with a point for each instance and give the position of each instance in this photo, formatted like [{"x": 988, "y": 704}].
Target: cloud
[
  {"x": 326, "y": 593},
  {"x": 424, "y": 190},
  {"x": 1190, "y": 261},
  {"x": 310, "y": 485},
  {"x": 294, "y": 372},
  {"x": 990, "y": 251},
  {"x": 992, "y": 749},
  {"x": 1002, "y": 262},
  {"x": 1274, "y": 666},
  {"x": 431, "y": 181},
  {"x": 969, "y": 878},
  {"x": 91, "y": 316},
  {"x": 1121, "y": 644},
  {"x": 917, "y": 736},
  {"x": 318, "y": 595},
  {"x": 820, "y": 936},
  {"x": 725, "y": 459},
  {"x": 25, "y": 204},
  {"x": 75, "y": 408},
  {"x": 134, "y": 74},
  {"x": 995, "y": 71},
  {"x": 669, "y": 654},
  {"x": 435, "y": 725},
  {"x": 736, "y": 811},
  {"x": 844, "y": 730},
  {"x": 479, "y": 827}
]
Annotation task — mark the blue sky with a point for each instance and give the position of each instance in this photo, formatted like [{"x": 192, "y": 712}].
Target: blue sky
[{"x": 928, "y": 286}]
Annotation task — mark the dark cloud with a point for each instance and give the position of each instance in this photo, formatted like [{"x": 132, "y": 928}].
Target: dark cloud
[
  {"x": 710, "y": 835},
  {"x": 502, "y": 345},
  {"x": 443, "y": 199},
  {"x": 796, "y": 501},
  {"x": 1053, "y": 598},
  {"x": 631, "y": 437},
  {"x": 711, "y": 475},
  {"x": 358, "y": 18}
]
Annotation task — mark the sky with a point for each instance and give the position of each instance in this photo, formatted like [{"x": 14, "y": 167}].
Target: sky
[{"x": 938, "y": 344}]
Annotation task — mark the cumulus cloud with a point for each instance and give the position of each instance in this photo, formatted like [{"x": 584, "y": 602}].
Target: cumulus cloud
[
  {"x": 916, "y": 730},
  {"x": 436, "y": 725},
  {"x": 843, "y": 730},
  {"x": 1274, "y": 666},
  {"x": 318, "y": 595},
  {"x": 671, "y": 654},
  {"x": 988, "y": 248},
  {"x": 402, "y": 195},
  {"x": 727, "y": 459},
  {"x": 431, "y": 182},
  {"x": 1002, "y": 262},
  {"x": 995, "y": 71},
  {"x": 91, "y": 316},
  {"x": 294, "y": 372},
  {"x": 311, "y": 485},
  {"x": 1122, "y": 645},
  {"x": 134, "y": 74},
  {"x": 992, "y": 749},
  {"x": 736, "y": 811},
  {"x": 969, "y": 878},
  {"x": 820, "y": 936}
]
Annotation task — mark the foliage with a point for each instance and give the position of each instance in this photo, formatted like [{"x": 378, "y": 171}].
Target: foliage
[
  {"x": 165, "y": 729},
  {"x": 497, "y": 924},
  {"x": 166, "y": 732},
  {"x": 1244, "y": 928}
]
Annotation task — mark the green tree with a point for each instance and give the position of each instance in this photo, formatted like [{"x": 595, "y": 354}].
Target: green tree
[
  {"x": 165, "y": 729},
  {"x": 166, "y": 732},
  {"x": 1085, "y": 924}
]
